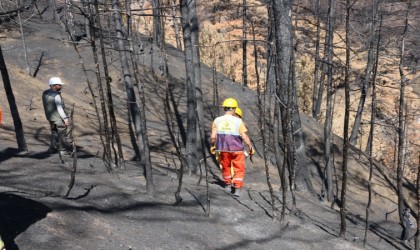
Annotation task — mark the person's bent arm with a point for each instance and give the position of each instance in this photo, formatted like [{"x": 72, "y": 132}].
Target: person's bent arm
[
  {"x": 213, "y": 135},
  {"x": 245, "y": 137},
  {"x": 247, "y": 140},
  {"x": 60, "y": 109}
]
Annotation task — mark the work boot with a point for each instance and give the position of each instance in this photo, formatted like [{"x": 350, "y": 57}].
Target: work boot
[
  {"x": 228, "y": 189},
  {"x": 68, "y": 151},
  {"x": 236, "y": 192}
]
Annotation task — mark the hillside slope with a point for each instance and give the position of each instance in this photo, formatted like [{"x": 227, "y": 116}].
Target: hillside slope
[{"x": 112, "y": 211}]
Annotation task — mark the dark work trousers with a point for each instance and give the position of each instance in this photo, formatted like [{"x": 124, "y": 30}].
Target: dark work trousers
[{"x": 59, "y": 138}]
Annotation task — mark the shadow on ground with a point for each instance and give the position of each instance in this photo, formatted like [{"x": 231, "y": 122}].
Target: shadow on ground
[
  {"x": 16, "y": 215},
  {"x": 14, "y": 152}
]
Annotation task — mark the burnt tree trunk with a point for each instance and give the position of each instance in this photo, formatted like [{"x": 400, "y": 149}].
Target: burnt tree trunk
[
  {"x": 134, "y": 110},
  {"x": 176, "y": 25},
  {"x": 376, "y": 37},
  {"x": 244, "y": 44},
  {"x": 74, "y": 155},
  {"x": 402, "y": 210},
  {"x": 198, "y": 92},
  {"x": 25, "y": 51},
  {"x": 191, "y": 143},
  {"x": 328, "y": 111},
  {"x": 262, "y": 128},
  {"x": 114, "y": 136},
  {"x": 89, "y": 85},
  {"x": 317, "y": 59},
  {"x": 416, "y": 239},
  {"x": 20, "y": 136},
  {"x": 107, "y": 156},
  {"x": 277, "y": 153},
  {"x": 372, "y": 128},
  {"x": 157, "y": 29},
  {"x": 366, "y": 82},
  {"x": 346, "y": 125},
  {"x": 284, "y": 46}
]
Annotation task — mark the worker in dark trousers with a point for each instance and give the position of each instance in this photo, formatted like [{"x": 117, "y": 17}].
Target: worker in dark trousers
[{"x": 55, "y": 113}]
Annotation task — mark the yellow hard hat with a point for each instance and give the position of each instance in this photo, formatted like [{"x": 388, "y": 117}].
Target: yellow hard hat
[
  {"x": 230, "y": 103},
  {"x": 238, "y": 112}
]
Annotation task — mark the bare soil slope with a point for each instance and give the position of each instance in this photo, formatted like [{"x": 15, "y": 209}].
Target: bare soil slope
[{"x": 112, "y": 211}]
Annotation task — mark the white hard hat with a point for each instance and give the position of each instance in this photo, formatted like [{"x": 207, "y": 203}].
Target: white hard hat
[{"x": 55, "y": 80}]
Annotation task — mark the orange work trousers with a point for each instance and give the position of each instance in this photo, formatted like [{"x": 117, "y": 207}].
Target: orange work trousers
[{"x": 236, "y": 160}]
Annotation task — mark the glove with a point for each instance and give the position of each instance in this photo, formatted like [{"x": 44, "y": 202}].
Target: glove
[
  {"x": 213, "y": 150},
  {"x": 251, "y": 151}
]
